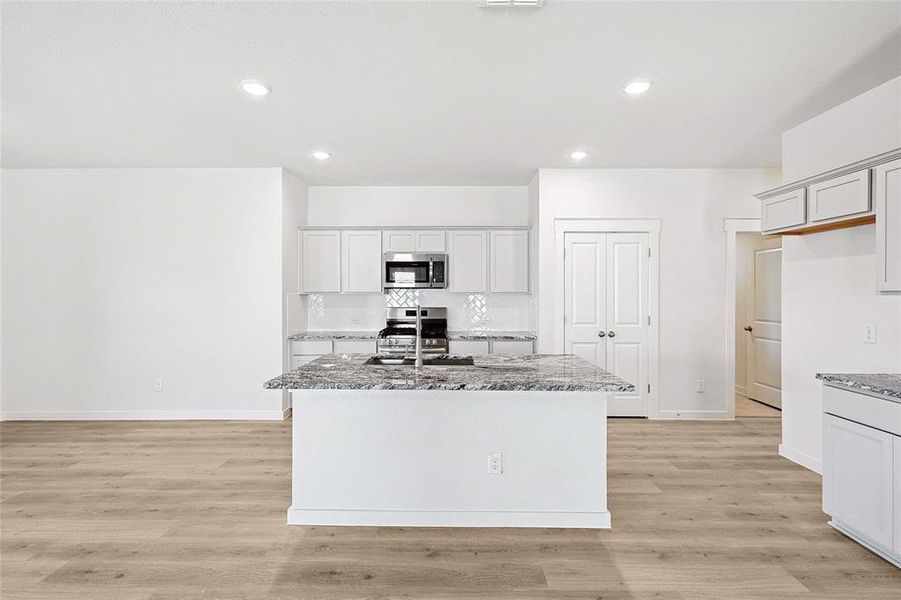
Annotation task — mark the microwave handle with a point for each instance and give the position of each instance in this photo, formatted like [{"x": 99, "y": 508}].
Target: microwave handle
[{"x": 431, "y": 272}]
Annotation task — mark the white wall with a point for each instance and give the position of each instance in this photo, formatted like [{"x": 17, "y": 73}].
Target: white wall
[
  {"x": 295, "y": 207},
  {"x": 828, "y": 295},
  {"x": 112, "y": 278},
  {"x": 419, "y": 205},
  {"x": 691, "y": 204},
  {"x": 828, "y": 279},
  {"x": 865, "y": 126}
]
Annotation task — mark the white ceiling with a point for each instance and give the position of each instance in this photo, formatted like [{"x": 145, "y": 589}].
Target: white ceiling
[{"x": 429, "y": 93}]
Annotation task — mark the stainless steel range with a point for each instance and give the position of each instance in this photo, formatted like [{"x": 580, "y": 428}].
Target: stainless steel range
[{"x": 399, "y": 337}]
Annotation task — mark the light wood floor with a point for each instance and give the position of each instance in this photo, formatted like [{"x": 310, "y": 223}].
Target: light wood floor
[
  {"x": 183, "y": 510},
  {"x": 745, "y": 407}
]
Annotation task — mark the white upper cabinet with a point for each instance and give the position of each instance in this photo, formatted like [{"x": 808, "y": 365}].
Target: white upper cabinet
[
  {"x": 844, "y": 196},
  {"x": 361, "y": 261},
  {"x": 320, "y": 259},
  {"x": 887, "y": 188},
  {"x": 425, "y": 240},
  {"x": 783, "y": 211},
  {"x": 467, "y": 261},
  {"x": 430, "y": 241},
  {"x": 399, "y": 241},
  {"x": 509, "y": 261}
]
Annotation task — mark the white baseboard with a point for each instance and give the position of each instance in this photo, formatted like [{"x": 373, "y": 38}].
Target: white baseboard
[
  {"x": 448, "y": 518},
  {"x": 805, "y": 460},
  {"x": 144, "y": 415},
  {"x": 693, "y": 415}
]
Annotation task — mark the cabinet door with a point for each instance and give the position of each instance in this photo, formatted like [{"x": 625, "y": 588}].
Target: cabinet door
[
  {"x": 430, "y": 241},
  {"x": 897, "y": 511},
  {"x": 299, "y": 361},
  {"x": 844, "y": 196},
  {"x": 512, "y": 347},
  {"x": 509, "y": 265},
  {"x": 361, "y": 261},
  {"x": 317, "y": 347},
  {"x": 784, "y": 211},
  {"x": 320, "y": 261},
  {"x": 399, "y": 241},
  {"x": 857, "y": 479},
  {"x": 355, "y": 346},
  {"x": 468, "y": 347},
  {"x": 887, "y": 186},
  {"x": 468, "y": 258}
]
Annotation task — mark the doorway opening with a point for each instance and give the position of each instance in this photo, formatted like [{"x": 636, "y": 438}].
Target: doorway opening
[{"x": 758, "y": 325}]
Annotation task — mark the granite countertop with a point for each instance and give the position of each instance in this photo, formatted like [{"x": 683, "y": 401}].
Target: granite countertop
[
  {"x": 880, "y": 384},
  {"x": 333, "y": 335},
  {"x": 480, "y": 334},
  {"x": 451, "y": 335},
  {"x": 492, "y": 372}
]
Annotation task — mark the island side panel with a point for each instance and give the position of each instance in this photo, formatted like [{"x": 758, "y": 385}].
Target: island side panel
[{"x": 420, "y": 458}]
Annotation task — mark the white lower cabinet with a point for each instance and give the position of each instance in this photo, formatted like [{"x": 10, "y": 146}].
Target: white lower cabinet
[
  {"x": 489, "y": 346},
  {"x": 303, "y": 351},
  {"x": 355, "y": 347},
  {"x": 858, "y": 484},
  {"x": 897, "y": 545},
  {"x": 468, "y": 346},
  {"x": 299, "y": 361},
  {"x": 512, "y": 347}
]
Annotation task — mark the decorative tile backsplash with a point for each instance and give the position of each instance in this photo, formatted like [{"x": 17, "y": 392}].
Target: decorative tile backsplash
[{"x": 465, "y": 311}]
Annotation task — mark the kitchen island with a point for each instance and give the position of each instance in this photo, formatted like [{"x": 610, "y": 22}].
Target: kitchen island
[{"x": 509, "y": 441}]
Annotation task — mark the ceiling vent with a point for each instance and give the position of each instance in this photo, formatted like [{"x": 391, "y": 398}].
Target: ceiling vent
[{"x": 512, "y": 3}]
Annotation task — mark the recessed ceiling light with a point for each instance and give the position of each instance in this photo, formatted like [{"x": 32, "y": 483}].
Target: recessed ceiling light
[
  {"x": 578, "y": 155},
  {"x": 254, "y": 87},
  {"x": 321, "y": 155},
  {"x": 634, "y": 87}
]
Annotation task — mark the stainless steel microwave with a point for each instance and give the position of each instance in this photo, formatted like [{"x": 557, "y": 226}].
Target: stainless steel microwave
[{"x": 416, "y": 270}]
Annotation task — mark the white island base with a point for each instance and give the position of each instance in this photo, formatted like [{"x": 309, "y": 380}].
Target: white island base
[{"x": 421, "y": 458}]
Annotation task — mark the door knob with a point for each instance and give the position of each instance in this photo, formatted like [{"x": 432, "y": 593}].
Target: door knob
[
  {"x": 601, "y": 334},
  {"x": 748, "y": 328},
  {"x": 611, "y": 333}
]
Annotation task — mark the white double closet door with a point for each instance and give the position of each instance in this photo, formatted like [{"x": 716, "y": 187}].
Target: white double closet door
[{"x": 606, "y": 310}]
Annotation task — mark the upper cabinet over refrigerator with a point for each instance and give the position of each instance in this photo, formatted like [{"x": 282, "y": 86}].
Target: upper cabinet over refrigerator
[{"x": 887, "y": 186}]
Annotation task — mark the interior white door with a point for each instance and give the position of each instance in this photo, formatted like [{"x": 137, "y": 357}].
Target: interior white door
[
  {"x": 764, "y": 329},
  {"x": 627, "y": 320},
  {"x": 606, "y": 310},
  {"x": 585, "y": 310}
]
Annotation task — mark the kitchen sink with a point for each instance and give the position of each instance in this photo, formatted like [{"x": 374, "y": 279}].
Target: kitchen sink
[{"x": 431, "y": 361}]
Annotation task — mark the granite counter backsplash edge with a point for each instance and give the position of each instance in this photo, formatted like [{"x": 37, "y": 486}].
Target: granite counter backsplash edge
[
  {"x": 882, "y": 384},
  {"x": 451, "y": 335}
]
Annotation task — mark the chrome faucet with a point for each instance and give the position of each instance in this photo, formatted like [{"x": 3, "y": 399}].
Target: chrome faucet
[{"x": 418, "y": 362}]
